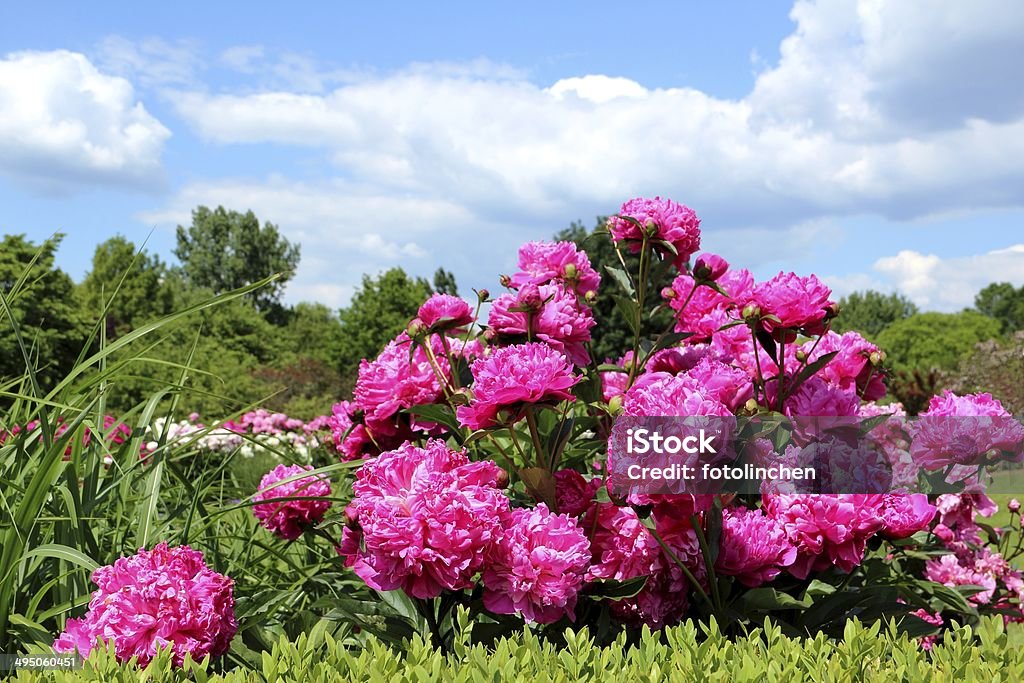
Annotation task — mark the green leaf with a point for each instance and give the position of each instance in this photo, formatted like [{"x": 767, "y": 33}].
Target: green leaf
[
  {"x": 622, "y": 279},
  {"x": 612, "y": 589}
]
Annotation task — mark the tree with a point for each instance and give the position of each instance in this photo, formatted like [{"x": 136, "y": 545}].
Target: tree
[
  {"x": 444, "y": 282},
  {"x": 871, "y": 312},
  {"x": 612, "y": 336},
  {"x": 143, "y": 294},
  {"x": 380, "y": 309},
  {"x": 928, "y": 341},
  {"x": 224, "y": 250},
  {"x": 44, "y": 308},
  {"x": 996, "y": 367},
  {"x": 1000, "y": 300}
]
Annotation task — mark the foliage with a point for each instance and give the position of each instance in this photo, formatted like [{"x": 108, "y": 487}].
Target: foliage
[
  {"x": 927, "y": 341},
  {"x": 379, "y": 310},
  {"x": 688, "y": 652},
  {"x": 870, "y": 312},
  {"x": 39, "y": 299},
  {"x": 444, "y": 282},
  {"x": 996, "y": 367},
  {"x": 1000, "y": 300},
  {"x": 138, "y": 280},
  {"x": 612, "y": 334},
  {"x": 223, "y": 250}
]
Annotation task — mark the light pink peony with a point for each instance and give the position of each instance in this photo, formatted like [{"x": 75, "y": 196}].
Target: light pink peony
[
  {"x": 669, "y": 222},
  {"x": 800, "y": 303},
  {"x": 513, "y": 377},
  {"x": 543, "y": 262},
  {"x": 827, "y": 530},
  {"x": 950, "y": 571},
  {"x": 445, "y": 312},
  {"x": 555, "y": 317},
  {"x": 427, "y": 516},
  {"x": 725, "y": 383},
  {"x": 753, "y": 547},
  {"x": 613, "y": 382},
  {"x": 537, "y": 566},
  {"x": 288, "y": 519},
  {"x": 165, "y": 597}
]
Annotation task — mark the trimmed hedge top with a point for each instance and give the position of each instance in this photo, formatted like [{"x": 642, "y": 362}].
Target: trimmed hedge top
[{"x": 988, "y": 652}]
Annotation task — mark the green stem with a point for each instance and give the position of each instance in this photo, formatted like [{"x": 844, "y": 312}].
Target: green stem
[
  {"x": 686, "y": 572},
  {"x": 641, "y": 289},
  {"x": 531, "y": 420},
  {"x": 705, "y": 551}
]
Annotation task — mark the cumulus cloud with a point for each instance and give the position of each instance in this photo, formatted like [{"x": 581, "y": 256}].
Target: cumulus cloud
[
  {"x": 65, "y": 123},
  {"x": 857, "y": 117},
  {"x": 950, "y": 283}
]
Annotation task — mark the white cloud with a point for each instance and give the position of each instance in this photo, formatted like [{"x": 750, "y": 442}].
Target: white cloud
[
  {"x": 150, "y": 62},
  {"x": 63, "y": 123},
  {"x": 935, "y": 283}
]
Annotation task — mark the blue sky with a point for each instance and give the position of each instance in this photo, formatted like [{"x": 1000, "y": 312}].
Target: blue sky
[{"x": 876, "y": 144}]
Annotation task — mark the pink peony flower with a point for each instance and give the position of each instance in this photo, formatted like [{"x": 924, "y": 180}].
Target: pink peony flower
[
  {"x": 677, "y": 360},
  {"x": 703, "y": 311},
  {"x": 613, "y": 383},
  {"x": 573, "y": 493},
  {"x": 950, "y": 571},
  {"x": 817, "y": 398},
  {"x": 729, "y": 385},
  {"x": 427, "y": 517},
  {"x": 665, "y": 220},
  {"x": 541, "y": 263},
  {"x": 709, "y": 267},
  {"x": 445, "y": 312},
  {"x": 800, "y": 303},
  {"x": 395, "y": 381},
  {"x": 851, "y": 369},
  {"x": 351, "y": 439},
  {"x": 827, "y": 530},
  {"x": 537, "y": 566},
  {"x": 554, "y": 316},
  {"x": 967, "y": 431},
  {"x": 513, "y": 377},
  {"x": 288, "y": 519},
  {"x": 903, "y": 514},
  {"x": 660, "y": 394},
  {"x": 165, "y": 597},
  {"x": 753, "y": 547}
]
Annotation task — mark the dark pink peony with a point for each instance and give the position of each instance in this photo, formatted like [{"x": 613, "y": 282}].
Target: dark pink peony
[
  {"x": 573, "y": 493},
  {"x": 554, "y": 316},
  {"x": 753, "y": 548},
  {"x": 703, "y": 311},
  {"x": 543, "y": 262},
  {"x": 800, "y": 303},
  {"x": 904, "y": 514},
  {"x": 165, "y": 597},
  {"x": 288, "y": 519},
  {"x": 709, "y": 267},
  {"x": 513, "y": 377},
  {"x": 351, "y": 439},
  {"x": 851, "y": 368},
  {"x": 427, "y": 516},
  {"x": 725, "y": 383},
  {"x": 664, "y": 220},
  {"x": 827, "y": 530},
  {"x": 445, "y": 312},
  {"x": 537, "y": 566}
]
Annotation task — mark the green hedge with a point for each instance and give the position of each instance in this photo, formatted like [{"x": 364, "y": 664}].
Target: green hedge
[{"x": 987, "y": 652}]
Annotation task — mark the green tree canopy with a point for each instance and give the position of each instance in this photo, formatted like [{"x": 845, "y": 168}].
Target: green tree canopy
[
  {"x": 380, "y": 309},
  {"x": 1005, "y": 303},
  {"x": 142, "y": 295},
  {"x": 870, "y": 312},
  {"x": 44, "y": 308},
  {"x": 224, "y": 250},
  {"x": 926, "y": 341},
  {"x": 611, "y": 335},
  {"x": 444, "y": 282}
]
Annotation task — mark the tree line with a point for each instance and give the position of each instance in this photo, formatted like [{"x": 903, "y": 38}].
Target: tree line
[{"x": 301, "y": 358}]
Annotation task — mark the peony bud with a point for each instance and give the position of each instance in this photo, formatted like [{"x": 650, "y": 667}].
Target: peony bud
[
  {"x": 1013, "y": 505},
  {"x": 709, "y": 267},
  {"x": 668, "y": 293},
  {"x": 750, "y": 406},
  {"x": 590, "y": 297},
  {"x": 615, "y": 404},
  {"x": 751, "y": 312},
  {"x": 483, "y": 295},
  {"x": 801, "y": 355},
  {"x": 570, "y": 271},
  {"x": 529, "y": 298},
  {"x": 502, "y": 480},
  {"x": 875, "y": 357},
  {"x": 462, "y": 397},
  {"x": 832, "y": 310},
  {"x": 505, "y": 281},
  {"x": 416, "y": 328}
]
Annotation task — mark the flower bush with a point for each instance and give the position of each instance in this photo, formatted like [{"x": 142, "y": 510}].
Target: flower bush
[{"x": 480, "y": 449}]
